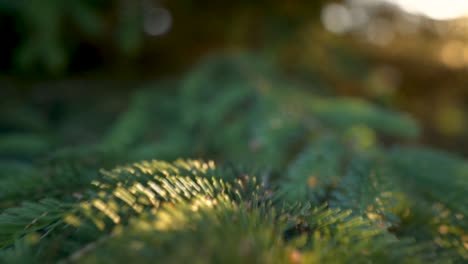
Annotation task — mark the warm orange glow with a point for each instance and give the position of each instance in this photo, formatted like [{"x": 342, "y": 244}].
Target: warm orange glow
[{"x": 454, "y": 54}]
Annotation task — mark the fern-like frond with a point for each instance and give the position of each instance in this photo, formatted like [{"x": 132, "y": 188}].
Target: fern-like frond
[
  {"x": 437, "y": 184},
  {"x": 315, "y": 171},
  {"x": 200, "y": 231},
  {"x": 368, "y": 191},
  {"x": 41, "y": 217},
  {"x": 344, "y": 112},
  {"x": 23, "y": 146},
  {"x": 338, "y": 237},
  {"x": 118, "y": 196},
  {"x": 131, "y": 125},
  {"x": 435, "y": 175},
  {"x": 40, "y": 181}
]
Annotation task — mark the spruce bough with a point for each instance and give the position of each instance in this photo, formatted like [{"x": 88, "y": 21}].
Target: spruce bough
[{"x": 297, "y": 178}]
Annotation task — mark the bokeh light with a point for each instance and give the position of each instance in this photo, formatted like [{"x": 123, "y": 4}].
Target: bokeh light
[
  {"x": 336, "y": 18},
  {"x": 156, "y": 20},
  {"x": 454, "y": 54}
]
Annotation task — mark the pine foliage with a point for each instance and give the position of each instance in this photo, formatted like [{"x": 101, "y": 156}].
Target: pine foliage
[{"x": 295, "y": 177}]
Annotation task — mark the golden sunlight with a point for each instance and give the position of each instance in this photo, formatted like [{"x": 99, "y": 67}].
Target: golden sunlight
[{"x": 435, "y": 9}]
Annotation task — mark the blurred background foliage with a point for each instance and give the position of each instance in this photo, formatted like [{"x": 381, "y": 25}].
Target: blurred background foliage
[{"x": 353, "y": 48}]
